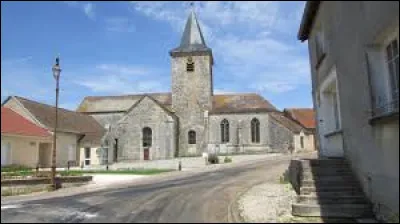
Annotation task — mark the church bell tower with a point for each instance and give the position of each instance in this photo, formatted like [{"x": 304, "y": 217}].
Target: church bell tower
[{"x": 192, "y": 85}]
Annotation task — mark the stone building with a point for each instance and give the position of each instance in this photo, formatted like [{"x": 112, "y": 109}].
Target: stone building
[
  {"x": 304, "y": 131},
  {"x": 354, "y": 59},
  {"x": 190, "y": 119}
]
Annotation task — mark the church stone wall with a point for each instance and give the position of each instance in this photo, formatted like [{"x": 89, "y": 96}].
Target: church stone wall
[
  {"x": 129, "y": 132},
  {"x": 107, "y": 118},
  {"x": 280, "y": 137},
  {"x": 240, "y": 135},
  {"x": 191, "y": 96}
]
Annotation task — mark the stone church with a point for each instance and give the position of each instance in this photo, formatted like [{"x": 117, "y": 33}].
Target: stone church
[{"x": 190, "y": 119}]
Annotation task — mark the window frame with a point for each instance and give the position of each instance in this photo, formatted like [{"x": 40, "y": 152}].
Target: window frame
[
  {"x": 192, "y": 137},
  {"x": 255, "y": 130},
  {"x": 302, "y": 142},
  {"x": 388, "y": 62},
  {"x": 224, "y": 126},
  {"x": 190, "y": 65},
  {"x": 147, "y": 137},
  {"x": 383, "y": 101},
  {"x": 87, "y": 156}
]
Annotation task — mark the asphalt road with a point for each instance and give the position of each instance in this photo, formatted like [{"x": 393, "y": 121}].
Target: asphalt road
[{"x": 199, "y": 197}]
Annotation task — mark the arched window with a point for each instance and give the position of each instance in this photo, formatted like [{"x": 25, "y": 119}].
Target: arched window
[
  {"x": 190, "y": 65},
  {"x": 255, "y": 130},
  {"x": 147, "y": 137},
  {"x": 224, "y": 131},
  {"x": 192, "y": 137},
  {"x": 302, "y": 142}
]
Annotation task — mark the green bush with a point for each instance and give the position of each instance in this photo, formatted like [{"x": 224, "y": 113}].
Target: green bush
[
  {"x": 213, "y": 159},
  {"x": 15, "y": 168},
  {"x": 284, "y": 178},
  {"x": 227, "y": 159}
]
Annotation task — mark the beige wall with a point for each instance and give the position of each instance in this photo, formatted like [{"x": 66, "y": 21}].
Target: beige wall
[
  {"x": 371, "y": 148},
  {"x": 308, "y": 142},
  {"x": 95, "y": 158},
  {"x": 64, "y": 141},
  {"x": 24, "y": 150}
]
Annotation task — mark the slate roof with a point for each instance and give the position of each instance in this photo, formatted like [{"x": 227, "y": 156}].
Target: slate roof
[
  {"x": 192, "y": 37},
  {"x": 287, "y": 122},
  {"x": 224, "y": 103},
  {"x": 240, "y": 103},
  {"x": 68, "y": 121},
  {"x": 104, "y": 104},
  {"x": 13, "y": 123},
  {"x": 304, "y": 116}
]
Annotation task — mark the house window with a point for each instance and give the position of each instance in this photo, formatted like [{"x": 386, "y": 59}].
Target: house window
[
  {"x": 116, "y": 150},
  {"x": 224, "y": 131},
  {"x": 147, "y": 137},
  {"x": 302, "y": 142},
  {"x": 392, "y": 63},
  {"x": 87, "y": 156},
  {"x": 335, "y": 108},
  {"x": 320, "y": 46},
  {"x": 190, "y": 65},
  {"x": 383, "y": 68},
  {"x": 192, "y": 137},
  {"x": 255, "y": 130}
]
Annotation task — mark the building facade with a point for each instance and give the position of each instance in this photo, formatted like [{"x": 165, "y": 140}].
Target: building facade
[
  {"x": 75, "y": 130},
  {"x": 354, "y": 58},
  {"x": 191, "y": 119}
]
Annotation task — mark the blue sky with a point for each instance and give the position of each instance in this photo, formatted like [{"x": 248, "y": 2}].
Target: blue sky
[{"x": 116, "y": 48}]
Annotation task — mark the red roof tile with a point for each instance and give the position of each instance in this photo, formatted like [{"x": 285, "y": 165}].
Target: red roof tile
[
  {"x": 13, "y": 123},
  {"x": 304, "y": 116}
]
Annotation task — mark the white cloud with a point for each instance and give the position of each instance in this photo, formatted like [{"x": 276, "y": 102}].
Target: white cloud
[
  {"x": 113, "y": 84},
  {"x": 124, "y": 69},
  {"x": 222, "y": 91},
  {"x": 122, "y": 79},
  {"x": 16, "y": 61},
  {"x": 69, "y": 106},
  {"x": 252, "y": 42},
  {"x": 19, "y": 77},
  {"x": 120, "y": 24},
  {"x": 87, "y": 8},
  {"x": 71, "y": 3},
  {"x": 274, "y": 86}
]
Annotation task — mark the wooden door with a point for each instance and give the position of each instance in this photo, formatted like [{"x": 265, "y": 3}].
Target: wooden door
[{"x": 146, "y": 153}]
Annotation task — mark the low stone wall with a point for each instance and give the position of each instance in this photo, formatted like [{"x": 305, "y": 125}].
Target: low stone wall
[
  {"x": 44, "y": 180},
  {"x": 295, "y": 172},
  {"x": 27, "y": 189}
]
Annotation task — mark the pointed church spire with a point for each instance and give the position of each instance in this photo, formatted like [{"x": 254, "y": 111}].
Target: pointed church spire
[{"x": 192, "y": 39}]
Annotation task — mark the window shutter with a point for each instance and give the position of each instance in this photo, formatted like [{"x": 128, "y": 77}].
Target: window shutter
[{"x": 376, "y": 74}]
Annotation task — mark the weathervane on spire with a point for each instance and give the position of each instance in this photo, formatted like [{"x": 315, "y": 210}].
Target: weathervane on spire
[{"x": 192, "y": 5}]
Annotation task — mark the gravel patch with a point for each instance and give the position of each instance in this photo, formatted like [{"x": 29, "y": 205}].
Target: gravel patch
[{"x": 268, "y": 202}]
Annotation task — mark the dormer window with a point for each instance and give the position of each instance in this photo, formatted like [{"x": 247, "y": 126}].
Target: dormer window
[{"x": 190, "y": 65}]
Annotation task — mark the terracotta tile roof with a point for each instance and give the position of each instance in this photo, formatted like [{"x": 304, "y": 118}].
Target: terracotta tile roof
[
  {"x": 287, "y": 122},
  {"x": 227, "y": 103},
  {"x": 304, "y": 116},
  {"x": 68, "y": 121},
  {"x": 13, "y": 123}
]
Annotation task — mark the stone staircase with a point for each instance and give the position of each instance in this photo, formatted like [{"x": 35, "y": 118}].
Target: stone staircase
[{"x": 328, "y": 189}]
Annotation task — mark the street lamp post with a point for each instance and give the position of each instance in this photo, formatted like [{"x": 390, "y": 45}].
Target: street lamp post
[{"x": 56, "y": 73}]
